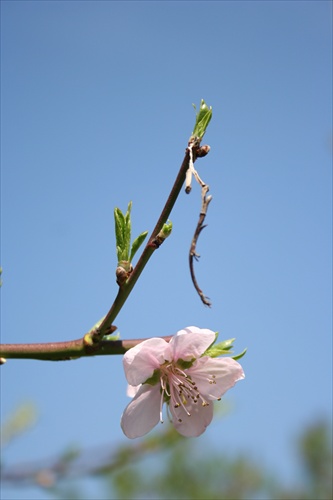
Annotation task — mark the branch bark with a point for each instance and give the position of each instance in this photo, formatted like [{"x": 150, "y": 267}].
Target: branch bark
[{"x": 65, "y": 351}]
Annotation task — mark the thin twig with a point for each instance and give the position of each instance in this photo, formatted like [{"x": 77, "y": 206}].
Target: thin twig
[{"x": 193, "y": 254}]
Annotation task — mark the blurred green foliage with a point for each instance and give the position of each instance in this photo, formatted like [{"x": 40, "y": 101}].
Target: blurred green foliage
[
  {"x": 18, "y": 422},
  {"x": 189, "y": 472},
  {"x": 165, "y": 465}
]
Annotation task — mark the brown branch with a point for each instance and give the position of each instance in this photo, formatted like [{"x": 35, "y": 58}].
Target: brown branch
[{"x": 64, "y": 351}]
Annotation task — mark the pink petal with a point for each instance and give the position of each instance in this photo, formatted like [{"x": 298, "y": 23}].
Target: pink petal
[
  {"x": 191, "y": 342},
  {"x": 142, "y": 413},
  {"x": 132, "y": 390},
  {"x": 214, "y": 376},
  {"x": 194, "y": 424},
  {"x": 141, "y": 361}
]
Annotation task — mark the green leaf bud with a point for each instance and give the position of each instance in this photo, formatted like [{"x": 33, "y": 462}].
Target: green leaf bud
[
  {"x": 163, "y": 234},
  {"x": 203, "y": 117}
]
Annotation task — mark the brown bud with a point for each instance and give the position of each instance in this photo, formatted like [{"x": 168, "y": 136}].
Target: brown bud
[
  {"x": 122, "y": 275},
  {"x": 202, "y": 151}
]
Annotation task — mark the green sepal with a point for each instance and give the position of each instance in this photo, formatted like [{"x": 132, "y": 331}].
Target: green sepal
[
  {"x": 155, "y": 378},
  {"x": 211, "y": 345},
  {"x": 185, "y": 365},
  {"x": 220, "y": 348},
  {"x": 166, "y": 398},
  {"x": 239, "y": 356},
  {"x": 203, "y": 117},
  {"x": 137, "y": 243}
]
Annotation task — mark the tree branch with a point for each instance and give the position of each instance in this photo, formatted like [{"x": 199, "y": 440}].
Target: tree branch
[
  {"x": 92, "y": 344},
  {"x": 65, "y": 351},
  {"x": 151, "y": 246}
]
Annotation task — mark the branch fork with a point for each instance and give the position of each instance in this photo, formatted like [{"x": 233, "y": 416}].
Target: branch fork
[{"x": 94, "y": 342}]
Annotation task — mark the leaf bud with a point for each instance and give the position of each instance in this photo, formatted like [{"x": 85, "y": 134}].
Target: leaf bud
[
  {"x": 163, "y": 234},
  {"x": 202, "y": 151},
  {"x": 123, "y": 272}
]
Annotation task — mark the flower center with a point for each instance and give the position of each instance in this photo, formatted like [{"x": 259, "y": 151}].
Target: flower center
[{"x": 178, "y": 388}]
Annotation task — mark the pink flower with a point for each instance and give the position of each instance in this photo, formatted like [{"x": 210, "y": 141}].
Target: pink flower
[{"x": 176, "y": 373}]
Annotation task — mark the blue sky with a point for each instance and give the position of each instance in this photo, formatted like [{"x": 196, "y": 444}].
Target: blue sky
[{"x": 96, "y": 110}]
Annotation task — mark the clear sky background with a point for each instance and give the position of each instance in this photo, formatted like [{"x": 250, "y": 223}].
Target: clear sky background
[{"x": 96, "y": 110}]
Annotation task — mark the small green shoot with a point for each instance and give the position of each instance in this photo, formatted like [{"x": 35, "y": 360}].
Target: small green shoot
[
  {"x": 203, "y": 117},
  {"x": 126, "y": 252}
]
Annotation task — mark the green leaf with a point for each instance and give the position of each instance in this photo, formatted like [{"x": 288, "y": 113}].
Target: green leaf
[
  {"x": 128, "y": 214},
  {"x": 203, "y": 117},
  {"x": 122, "y": 255},
  {"x": 137, "y": 243},
  {"x": 127, "y": 230},
  {"x": 123, "y": 232},
  {"x": 119, "y": 227},
  {"x": 123, "y": 237}
]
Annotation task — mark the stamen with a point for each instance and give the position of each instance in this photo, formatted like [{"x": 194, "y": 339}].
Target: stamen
[
  {"x": 178, "y": 386},
  {"x": 162, "y": 400},
  {"x": 179, "y": 401}
]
